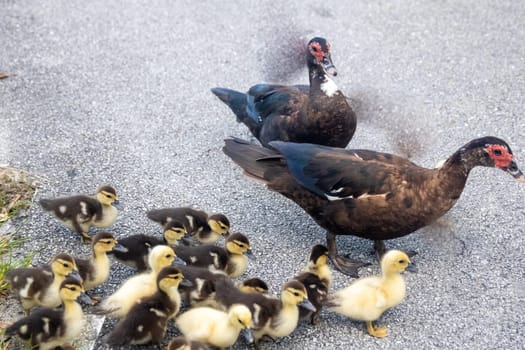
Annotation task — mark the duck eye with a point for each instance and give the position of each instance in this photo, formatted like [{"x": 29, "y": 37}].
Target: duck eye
[
  {"x": 296, "y": 294},
  {"x": 497, "y": 152},
  {"x": 240, "y": 321},
  {"x": 65, "y": 265},
  {"x": 168, "y": 256},
  {"x": 401, "y": 261}
]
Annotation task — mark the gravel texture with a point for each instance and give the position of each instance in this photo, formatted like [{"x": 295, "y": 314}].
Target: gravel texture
[{"x": 117, "y": 92}]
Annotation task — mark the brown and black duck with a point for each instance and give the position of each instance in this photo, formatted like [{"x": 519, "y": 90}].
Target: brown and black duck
[
  {"x": 318, "y": 113},
  {"x": 364, "y": 193}
]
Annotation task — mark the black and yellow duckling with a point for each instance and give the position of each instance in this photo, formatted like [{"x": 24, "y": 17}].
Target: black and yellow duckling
[
  {"x": 95, "y": 270},
  {"x": 136, "y": 287},
  {"x": 35, "y": 286},
  {"x": 232, "y": 259},
  {"x": 317, "y": 279},
  {"x": 274, "y": 318},
  {"x": 139, "y": 246},
  {"x": 254, "y": 284},
  {"x": 367, "y": 298},
  {"x": 216, "y": 327},
  {"x": 81, "y": 212},
  {"x": 182, "y": 343},
  {"x": 47, "y": 328},
  {"x": 206, "y": 229},
  {"x": 368, "y": 194},
  {"x": 202, "y": 289},
  {"x": 147, "y": 320}
]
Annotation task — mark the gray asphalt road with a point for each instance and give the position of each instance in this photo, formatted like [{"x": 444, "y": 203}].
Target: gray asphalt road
[{"x": 118, "y": 92}]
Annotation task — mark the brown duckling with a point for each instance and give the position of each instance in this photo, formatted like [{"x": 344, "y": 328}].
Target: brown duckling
[
  {"x": 366, "y": 298},
  {"x": 35, "y": 286},
  {"x": 216, "y": 327},
  {"x": 317, "y": 279},
  {"x": 206, "y": 229},
  {"x": 230, "y": 259},
  {"x": 47, "y": 328},
  {"x": 147, "y": 320},
  {"x": 139, "y": 246},
  {"x": 136, "y": 287},
  {"x": 368, "y": 194},
  {"x": 318, "y": 113},
  {"x": 253, "y": 285},
  {"x": 181, "y": 343},
  {"x": 271, "y": 317},
  {"x": 202, "y": 289},
  {"x": 95, "y": 270},
  {"x": 81, "y": 212}
]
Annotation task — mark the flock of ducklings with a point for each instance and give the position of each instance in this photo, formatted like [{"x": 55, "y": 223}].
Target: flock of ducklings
[{"x": 185, "y": 267}]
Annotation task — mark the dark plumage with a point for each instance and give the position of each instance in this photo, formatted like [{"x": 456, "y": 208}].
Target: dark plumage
[
  {"x": 368, "y": 194},
  {"x": 317, "y": 114},
  {"x": 202, "y": 288},
  {"x": 206, "y": 229},
  {"x": 181, "y": 343},
  {"x": 147, "y": 320}
]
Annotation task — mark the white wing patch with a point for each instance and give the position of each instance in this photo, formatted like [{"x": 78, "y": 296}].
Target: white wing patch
[
  {"x": 62, "y": 209},
  {"x": 158, "y": 312},
  {"x": 24, "y": 291},
  {"x": 83, "y": 208},
  {"x": 190, "y": 220}
]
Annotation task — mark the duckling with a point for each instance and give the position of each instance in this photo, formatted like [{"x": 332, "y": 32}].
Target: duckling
[
  {"x": 38, "y": 286},
  {"x": 230, "y": 259},
  {"x": 368, "y": 297},
  {"x": 139, "y": 246},
  {"x": 253, "y": 285},
  {"x": 95, "y": 271},
  {"x": 206, "y": 229},
  {"x": 317, "y": 279},
  {"x": 215, "y": 327},
  {"x": 271, "y": 317},
  {"x": 373, "y": 195},
  {"x": 181, "y": 343},
  {"x": 81, "y": 212},
  {"x": 47, "y": 328},
  {"x": 201, "y": 292},
  {"x": 147, "y": 320},
  {"x": 142, "y": 285}
]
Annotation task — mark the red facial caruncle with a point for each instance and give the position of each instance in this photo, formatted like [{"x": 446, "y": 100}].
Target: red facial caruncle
[
  {"x": 316, "y": 51},
  {"x": 501, "y": 156}
]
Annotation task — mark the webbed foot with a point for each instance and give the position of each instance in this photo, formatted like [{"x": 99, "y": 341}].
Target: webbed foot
[
  {"x": 378, "y": 332},
  {"x": 347, "y": 266}
]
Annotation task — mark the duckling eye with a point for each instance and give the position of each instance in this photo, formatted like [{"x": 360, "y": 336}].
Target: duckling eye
[
  {"x": 401, "y": 261},
  {"x": 74, "y": 289},
  {"x": 240, "y": 321},
  {"x": 296, "y": 294},
  {"x": 108, "y": 195},
  {"x": 168, "y": 256},
  {"x": 65, "y": 264}
]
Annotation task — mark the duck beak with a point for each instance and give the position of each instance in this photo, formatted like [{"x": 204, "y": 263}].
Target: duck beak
[
  {"x": 305, "y": 303},
  {"x": 84, "y": 299},
  {"x": 329, "y": 67},
  {"x": 249, "y": 254},
  {"x": 178, "y": 261},
  {"x": 515, "y": 172},
  {"x": 248, "y": 335},
  {"x": 188, "y": 241},
  {"x": 117, "y": 204},
  {"x": 186, "y": 283},
  {"x": 412, "y": 267},
  {"x": 119, "y": 248}
]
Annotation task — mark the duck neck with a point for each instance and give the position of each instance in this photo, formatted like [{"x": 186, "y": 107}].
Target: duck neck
[
  {"x": 454, "y": 173},
  {"x": 321, "y": 83}
]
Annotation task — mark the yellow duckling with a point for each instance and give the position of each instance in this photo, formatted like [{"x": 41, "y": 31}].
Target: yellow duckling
[
  {"x": 47, "y": 328},
  {"x": 81, "y": 212},
  {"x": 35, "y": 286},
  {"x": 142, "y": 285},
  {"x": 215, "y": 327},
  {"x": 181, "y": 343},
  {"x": 95, "y": 270},
  {"x": 367, "y": 298},
  {"x": 147, "y": 320}
]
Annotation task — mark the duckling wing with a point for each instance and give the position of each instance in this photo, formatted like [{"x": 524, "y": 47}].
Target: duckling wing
[
  {"x": 27, "y": 281},
  {"x": 206, "y": 255},
  {"x": 43, "y": 324}
]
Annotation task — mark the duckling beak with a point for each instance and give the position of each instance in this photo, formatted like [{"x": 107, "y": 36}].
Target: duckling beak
[
  {"x": 178, "y": 261},
  {"x": 188, "y": 241},
  {"x": 515, "y": 172},
  {"x": 412, "y": 267},
  {"x": 119, "y": 248},
  {"x": 249, "y": 254},
  {"x": 329, "y": 67},
  {"x": 75, "y": 274},
  {"x": 248, "y": 335},
  {"x": 186, "y": 283},
  {"x": 84, "y": 299},
  {"x": 305, "y": 303}
]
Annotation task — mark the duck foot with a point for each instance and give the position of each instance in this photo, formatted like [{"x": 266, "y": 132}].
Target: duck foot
[
  {"x": 378, "y": 332},
  {"x": 95, "y": 299},
  {"x": 346, "y": 266},
  {"x": 86, "y": 238}
]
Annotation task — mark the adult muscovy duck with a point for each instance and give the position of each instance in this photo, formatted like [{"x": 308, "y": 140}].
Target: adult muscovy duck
[
  {"x": 364, "y": 193},
  {"x": 318, "y": 113}
]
